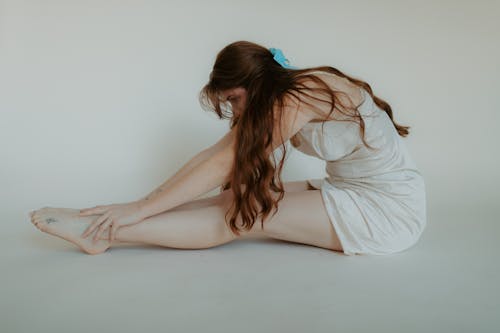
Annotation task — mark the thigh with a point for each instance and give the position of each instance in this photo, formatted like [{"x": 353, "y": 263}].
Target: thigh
[
  {"x": 296, "y": 186},
  {"x": 301, "y": 218},
  {"x": 301, "y": 185}
]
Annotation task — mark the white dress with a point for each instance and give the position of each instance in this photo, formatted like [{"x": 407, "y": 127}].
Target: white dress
[{"x": 376, "y": 200}]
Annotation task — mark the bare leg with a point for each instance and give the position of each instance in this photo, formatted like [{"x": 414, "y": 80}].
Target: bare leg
[
  {"x": 302, "y": 218},
  {"x": 197, "y": 224},
  {"x": 187, "y": 228},
  {"x": 201, "y": 224}
]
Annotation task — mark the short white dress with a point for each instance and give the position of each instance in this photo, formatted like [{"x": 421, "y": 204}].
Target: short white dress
[{"x": 376, "y": 200}]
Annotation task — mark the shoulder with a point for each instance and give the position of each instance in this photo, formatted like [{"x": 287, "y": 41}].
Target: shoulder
[
  {"x": 293, "y": 110},
  {"x": 348, "y": 93},
  {"x": 289, "y": 118},
  {"x": 334, "y": 81}
]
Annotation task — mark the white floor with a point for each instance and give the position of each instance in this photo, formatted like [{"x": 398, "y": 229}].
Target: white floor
[{"x": 448, "y": 282}]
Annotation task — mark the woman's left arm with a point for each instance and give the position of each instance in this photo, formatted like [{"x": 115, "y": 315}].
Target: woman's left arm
[{"x": 206, "y": 176}]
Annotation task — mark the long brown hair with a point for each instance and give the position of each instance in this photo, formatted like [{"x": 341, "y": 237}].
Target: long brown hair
[{"x": 251, "y": 66}]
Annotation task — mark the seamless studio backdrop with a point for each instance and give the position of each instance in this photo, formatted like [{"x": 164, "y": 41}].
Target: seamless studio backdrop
[{"x": 98, "y": 105}]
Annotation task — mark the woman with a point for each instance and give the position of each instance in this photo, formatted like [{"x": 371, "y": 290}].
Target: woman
[{"x": 371, "y": 202}]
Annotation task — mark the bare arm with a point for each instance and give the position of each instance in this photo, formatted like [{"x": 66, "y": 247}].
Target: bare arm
[
  {"x": 193, "y": 162},
  {"x": 203, "y": 177},
  {"x": 216, "y": 169},
  {"x": 220, "y": 154}
]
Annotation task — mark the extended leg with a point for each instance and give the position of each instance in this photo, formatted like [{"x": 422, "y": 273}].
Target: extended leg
[
  {"x": 301, "y": 218},
  {"x": 195, "y": 224},
  {"x": 195, "y": 228}
]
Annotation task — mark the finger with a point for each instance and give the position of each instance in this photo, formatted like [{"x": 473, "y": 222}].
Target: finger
[
  {"x": 101, "y": 229},
  {"x": 110, "y": 232},
  {"x": 114, "y": 229},
  {"x": 95, "y": 224}
]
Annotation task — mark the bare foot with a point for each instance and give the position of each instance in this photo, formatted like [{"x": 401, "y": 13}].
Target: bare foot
[{"x": 66, "y": 224}]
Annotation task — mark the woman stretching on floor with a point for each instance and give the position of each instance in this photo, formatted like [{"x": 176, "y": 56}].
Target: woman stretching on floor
[{"x": 371, "y": 202}]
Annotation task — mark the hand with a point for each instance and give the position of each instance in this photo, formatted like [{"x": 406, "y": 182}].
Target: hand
[{"x": 113, "y": 216}]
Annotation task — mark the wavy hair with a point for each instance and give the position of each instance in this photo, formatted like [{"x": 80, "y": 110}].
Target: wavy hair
[{"x": 268, "y": 85}]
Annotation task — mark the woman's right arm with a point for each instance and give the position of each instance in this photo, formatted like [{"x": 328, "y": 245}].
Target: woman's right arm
[{"x": 193, "y": 162}]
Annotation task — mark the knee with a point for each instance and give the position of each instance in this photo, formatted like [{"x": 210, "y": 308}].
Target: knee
[{"x": 224, "y": 201}]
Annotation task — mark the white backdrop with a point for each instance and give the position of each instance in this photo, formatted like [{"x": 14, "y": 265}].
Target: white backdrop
[{"x": 98, "y": 99}]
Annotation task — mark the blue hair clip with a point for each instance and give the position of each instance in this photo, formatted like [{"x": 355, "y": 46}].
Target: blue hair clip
[{"x": 279, "y": 57}]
